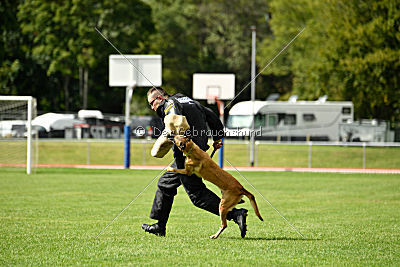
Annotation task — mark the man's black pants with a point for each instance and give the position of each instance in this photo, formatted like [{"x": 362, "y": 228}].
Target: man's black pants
[{"x": 197, "y": 191}]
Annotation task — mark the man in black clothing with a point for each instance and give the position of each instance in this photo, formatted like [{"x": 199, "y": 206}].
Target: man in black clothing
[{"x": 197, "y": 117}]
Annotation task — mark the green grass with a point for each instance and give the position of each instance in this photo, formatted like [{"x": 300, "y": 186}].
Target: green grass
[{"x": 53, "y": 216}]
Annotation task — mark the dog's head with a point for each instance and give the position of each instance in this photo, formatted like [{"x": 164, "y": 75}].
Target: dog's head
[{"x": 182, "y": 142}]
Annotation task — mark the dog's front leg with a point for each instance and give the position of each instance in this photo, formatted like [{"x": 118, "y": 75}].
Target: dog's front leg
[
  {"x": 181, "y": 171},
  {"x": 187, "y": 171}
]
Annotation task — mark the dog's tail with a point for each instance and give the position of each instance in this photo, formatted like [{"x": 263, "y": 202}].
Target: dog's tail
[{"x": 253, "y": 202}]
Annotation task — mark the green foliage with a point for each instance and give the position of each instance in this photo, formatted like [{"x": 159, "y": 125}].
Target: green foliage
[
  {"x": 10, "y": 38},
  {"x": 63, "y": 33},
  {"x": 368, "y": 68},
  {"x": 205, "y": 36},
  {"x": 62, "y": 39},
  {"x": 350, "y": 50},
  {"x": 20, "y": 73},
  {"x": 174, "y": 22}
]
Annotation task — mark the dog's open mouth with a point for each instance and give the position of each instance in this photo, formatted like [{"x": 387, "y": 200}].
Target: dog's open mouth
[{"x": 181, "y": 144}]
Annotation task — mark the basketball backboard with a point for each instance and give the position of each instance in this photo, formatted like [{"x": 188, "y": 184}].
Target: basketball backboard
[
  {"x": 211, "y": 85},
  {"x": 140, "y": 70}
]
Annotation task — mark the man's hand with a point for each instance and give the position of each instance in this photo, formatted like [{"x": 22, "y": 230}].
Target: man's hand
[{"x": 217, "y": 144}]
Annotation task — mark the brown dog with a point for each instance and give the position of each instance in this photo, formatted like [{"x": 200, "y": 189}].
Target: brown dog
[{"x": 200, "y": 163}]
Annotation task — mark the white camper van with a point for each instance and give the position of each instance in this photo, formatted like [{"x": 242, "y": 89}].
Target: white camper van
[{"x": 289, "y": 121}]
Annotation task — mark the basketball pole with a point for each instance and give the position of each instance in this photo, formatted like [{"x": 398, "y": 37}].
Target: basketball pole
[
  {"x": 215, "y": 87},
  {"x": 220, "y": 105},
  {"x": 129, "y": 90},
  {"x": 127, "y": 127}
]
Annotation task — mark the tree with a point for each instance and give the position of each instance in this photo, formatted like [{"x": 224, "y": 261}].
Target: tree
[
  {"x": 292, "y": 68},
  {"x": 366, "y": 55},
  {"x": 206, "y": 36},
  {"x": 65, "y": 42},
  {"x": 349, "y": 51},
  {"x": 226, "y": 36},
  {"x": 20, "y": 74},
  {"x": 10, "y": 51}
]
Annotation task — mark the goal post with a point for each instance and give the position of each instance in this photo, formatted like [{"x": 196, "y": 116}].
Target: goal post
[{"x": 16, "y": 115}]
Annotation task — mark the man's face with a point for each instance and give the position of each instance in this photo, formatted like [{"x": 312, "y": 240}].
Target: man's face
[{"x": 154, "y": 100}]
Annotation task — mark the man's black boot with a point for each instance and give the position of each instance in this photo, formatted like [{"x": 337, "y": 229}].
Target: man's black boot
[
  {"x": 239, "y": 216},
  {"x": 154, "y": 229}
]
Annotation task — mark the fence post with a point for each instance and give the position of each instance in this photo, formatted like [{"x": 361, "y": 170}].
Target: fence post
[
  {"x": 221, "y": 155},
  {"x": 309, "y": 154},
  {"x": 88, "y": 152},
  {"x": 256, "y": 157},
  {"x": 364, "y": 144},
  {"x": 144, "y": 152}
]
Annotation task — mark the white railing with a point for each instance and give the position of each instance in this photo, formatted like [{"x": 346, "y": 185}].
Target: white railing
[{"x": 310, "y": 144}]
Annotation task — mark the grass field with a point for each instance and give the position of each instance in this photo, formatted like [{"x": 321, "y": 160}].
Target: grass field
[{"x": 53, "y": 216}]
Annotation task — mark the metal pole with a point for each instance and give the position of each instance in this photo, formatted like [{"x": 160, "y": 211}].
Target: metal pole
[
  {"x": 221, "y": 150},
  {"x": 144, "y": 152},
  {"x": 221, "y": 155},
  {"x": 364, "y": 144},
  {"x": 88, "y": 152},
  {"x": 257, "y": 147},
  {"x": 309, "y": 154},
  {"x": 253, "y": 90},
  {"x": 127, "y": 127},
  {"x": 29, "y": 139}
]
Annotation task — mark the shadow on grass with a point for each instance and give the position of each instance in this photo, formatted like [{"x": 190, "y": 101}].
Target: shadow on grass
[{"x": 274, "y": 238}]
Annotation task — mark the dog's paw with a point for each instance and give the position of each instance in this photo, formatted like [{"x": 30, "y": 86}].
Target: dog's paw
[
  {"x": 170, "y": 169},
  {"x": 213, "y": 237}
]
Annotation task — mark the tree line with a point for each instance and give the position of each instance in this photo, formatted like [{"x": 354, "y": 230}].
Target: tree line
[{"x": 349, "y": 50}]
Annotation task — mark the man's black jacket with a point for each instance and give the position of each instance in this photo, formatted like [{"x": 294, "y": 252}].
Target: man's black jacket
[{"x": 197, "y": 116}]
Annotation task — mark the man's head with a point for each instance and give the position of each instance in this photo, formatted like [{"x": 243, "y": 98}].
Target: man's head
[{"x": 155, "y": 96}]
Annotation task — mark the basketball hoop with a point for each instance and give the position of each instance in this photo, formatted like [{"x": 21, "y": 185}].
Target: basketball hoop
[
  {"x": 215, "y": 88},
  {"x": 212, "y": 93},
  {"x": 207, "y": 86},
  {"x": 211, "y": 99}
]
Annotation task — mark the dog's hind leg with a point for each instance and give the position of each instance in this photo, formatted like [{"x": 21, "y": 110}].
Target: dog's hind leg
[
  {"x": 223, "y": 211},
  {"x": 228, "y": 202}
]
